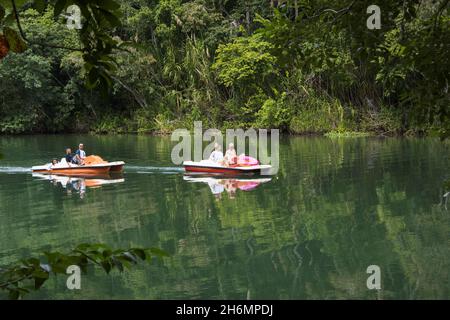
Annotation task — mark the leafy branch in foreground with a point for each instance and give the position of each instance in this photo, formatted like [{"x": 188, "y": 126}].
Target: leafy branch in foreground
[
  {"x": 96, "y": 43},
  {"x": 30, "y": 274}
]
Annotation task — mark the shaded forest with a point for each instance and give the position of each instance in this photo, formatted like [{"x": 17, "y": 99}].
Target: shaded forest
[{"x": 302, "y": 66}]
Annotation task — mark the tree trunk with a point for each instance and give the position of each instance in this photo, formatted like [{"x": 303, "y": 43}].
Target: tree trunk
[
  {"x": 247, "y": 17},
  {"x": 296, "y": 8}
]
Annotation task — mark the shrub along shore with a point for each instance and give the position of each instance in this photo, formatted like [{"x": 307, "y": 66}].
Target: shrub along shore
[{"x": 292, "y": 65}]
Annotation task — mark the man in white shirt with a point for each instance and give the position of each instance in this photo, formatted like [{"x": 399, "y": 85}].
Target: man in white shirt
[
  {"x": 80, "y": 154},
  {"x": 217, "y": 154}
]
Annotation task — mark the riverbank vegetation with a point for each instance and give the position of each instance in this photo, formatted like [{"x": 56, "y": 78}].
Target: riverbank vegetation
[{"x": 301, "y": 66}]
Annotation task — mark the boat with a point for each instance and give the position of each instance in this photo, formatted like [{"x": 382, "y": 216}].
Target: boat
[
  {"x": 248, "y": 166},
  {"x": 93, "y": 166}
]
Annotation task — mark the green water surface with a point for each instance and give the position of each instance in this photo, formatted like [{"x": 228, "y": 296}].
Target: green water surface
[{"x": 335, "y": 207}]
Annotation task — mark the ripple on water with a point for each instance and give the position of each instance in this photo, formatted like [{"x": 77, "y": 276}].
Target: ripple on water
[{"x": 14, "y": 170}]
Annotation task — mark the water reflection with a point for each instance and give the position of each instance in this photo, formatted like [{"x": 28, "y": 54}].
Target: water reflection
[
  {"x": 335, "y": 207},
  {"x": 230, "y": 185},
  {"x": 78, "y": 185}
]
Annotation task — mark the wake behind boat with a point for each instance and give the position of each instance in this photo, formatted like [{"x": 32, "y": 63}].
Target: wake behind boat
[{"x": 94, "y": 165}]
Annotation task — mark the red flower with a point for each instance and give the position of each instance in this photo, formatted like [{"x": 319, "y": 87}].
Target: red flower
[{"x": 4, "y": 47}]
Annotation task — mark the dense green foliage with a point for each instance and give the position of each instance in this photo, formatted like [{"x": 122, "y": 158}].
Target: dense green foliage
[
  {"x": 16, "y": 279},
  {"x": 303, "y": 66}
]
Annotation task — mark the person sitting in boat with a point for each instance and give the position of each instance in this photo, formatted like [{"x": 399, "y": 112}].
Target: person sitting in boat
[
  {"x": 69, "y": 156},
  {"x": 216, "y": 155},
  {"x": 230, "y": 157},
  {"x": 53, "y": 163},
  {"x": 80, "y": 154}
]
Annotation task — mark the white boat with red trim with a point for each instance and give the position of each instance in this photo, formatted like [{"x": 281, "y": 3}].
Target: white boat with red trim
[{"x": 211, "y": 167}]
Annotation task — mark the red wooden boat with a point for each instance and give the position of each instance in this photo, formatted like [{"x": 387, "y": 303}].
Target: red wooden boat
[
  {"x": 94, "y": 165},
  {"x": 210, "y": 167}
]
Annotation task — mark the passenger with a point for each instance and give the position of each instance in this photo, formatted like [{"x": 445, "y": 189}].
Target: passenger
[
  {"x": 230, "y": 156},
  {"x": 80, "y": 154},
  {"x": 69, "y": 156},
  {"x": 216, "y": 155},
  {"x": 52, "y": 164}
]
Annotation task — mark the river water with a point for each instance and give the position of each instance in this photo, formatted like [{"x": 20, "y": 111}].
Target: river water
[{"x": 335, "y": 207}]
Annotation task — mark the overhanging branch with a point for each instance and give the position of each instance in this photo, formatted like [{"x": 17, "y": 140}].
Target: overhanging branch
[{"x": 22, "y": 33}]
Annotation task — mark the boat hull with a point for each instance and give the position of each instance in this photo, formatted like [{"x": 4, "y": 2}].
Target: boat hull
[
  {"x": 76, "y": 171},
  {"x": 116, "y": 168},
  {"x": 207, "y": 168},
  {"x": 82, "y": 171},
  {"x": 213, "y": 170}
]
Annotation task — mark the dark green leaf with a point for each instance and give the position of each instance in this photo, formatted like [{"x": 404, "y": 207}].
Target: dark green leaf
[
  {"x": 83, "y": 247},
  {"x": 38, "y": 282},
  {"x": 16, "y": 43},
  {"x": 20, "y": 3},
  {"x": 40, "y": 5},
  {"x": 59, "y": 7},
  {"x": 2, "y": 13},
  {"x": 33, "y": 270},
  {"x": 86, "y": 13},
  {"x": 117, "y": 263},
  {"x": 106, "y": 253},
  {"x": 32, "y": 262},
  {"x": 13, "y": 295},
  {"x": 106, "y": 266},
  {"x": 140, "y": 253},
  {"x": 10, "y": 19},
  {"x": 109, "y": 5},
  {"x": 92, "y": 79},
  {"x": 40, "y": 273},
  {"x": 6, "y": 4},
  {"x": 113, "y": 20}
]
